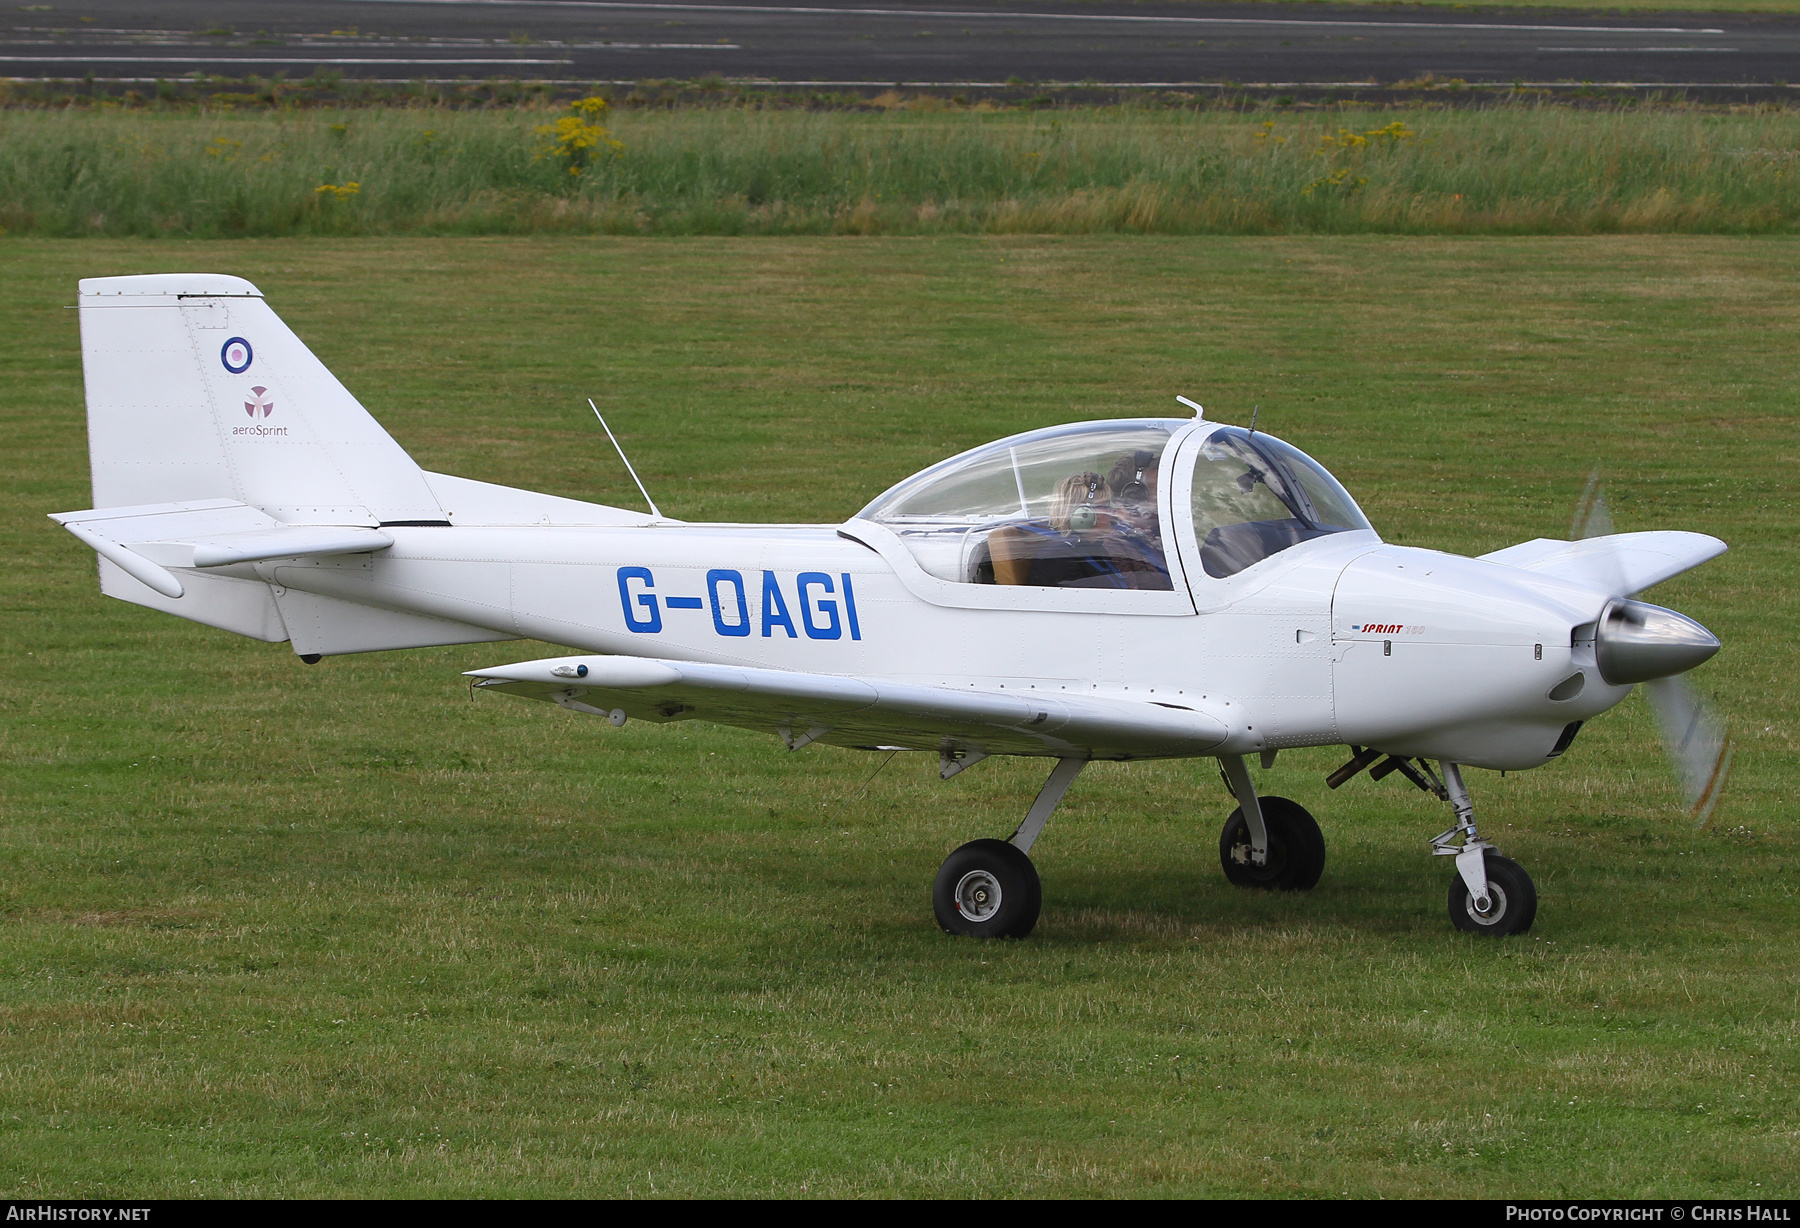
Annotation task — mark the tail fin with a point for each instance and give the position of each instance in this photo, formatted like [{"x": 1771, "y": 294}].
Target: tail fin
[{"x": 196, "y": 390}]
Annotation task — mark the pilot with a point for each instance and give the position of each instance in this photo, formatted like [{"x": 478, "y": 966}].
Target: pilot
[
  {"x": 1137, "y": 544},
  {"x": 1133, "y": 481}
]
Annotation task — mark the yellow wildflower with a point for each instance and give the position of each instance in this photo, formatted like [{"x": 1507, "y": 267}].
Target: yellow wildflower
[{"x": 577, "y": 139}]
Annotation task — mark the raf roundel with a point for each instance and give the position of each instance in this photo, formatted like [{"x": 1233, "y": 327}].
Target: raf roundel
[{"x": 235, "y": 354}]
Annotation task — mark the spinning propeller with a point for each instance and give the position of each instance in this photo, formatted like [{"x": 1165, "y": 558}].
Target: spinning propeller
[{"x": 1638, "y": 642}]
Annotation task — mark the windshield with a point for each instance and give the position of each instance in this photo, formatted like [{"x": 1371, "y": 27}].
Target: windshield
[
  {"x": 1255, "y": 496},
  {"x": 1068, "y": 507}
]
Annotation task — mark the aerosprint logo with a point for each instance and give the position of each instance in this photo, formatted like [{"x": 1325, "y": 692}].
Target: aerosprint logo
[{"x": 260, "y": 405}]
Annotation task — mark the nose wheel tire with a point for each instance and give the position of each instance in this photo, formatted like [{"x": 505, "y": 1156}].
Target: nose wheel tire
[
  {"x": 987, "y": 889},
  {"x": 1512, "y": 900},
  {"x": 1296, "y": 848}
]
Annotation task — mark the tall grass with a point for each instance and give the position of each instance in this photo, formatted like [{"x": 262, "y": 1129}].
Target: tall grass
[{"x": 1517, "y": 169}]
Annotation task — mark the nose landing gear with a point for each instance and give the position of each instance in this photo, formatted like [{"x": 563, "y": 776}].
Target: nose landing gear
[
  {"x": 1490, "y": 894},
  {"x": 1510, "y": 904}
]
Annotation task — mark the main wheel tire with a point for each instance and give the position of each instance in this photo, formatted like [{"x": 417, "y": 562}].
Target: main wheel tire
[
  {"x": 1512, "y": 900},
  {"x": 987, "y": 889},
  {"x": 1296, "y": 848}
]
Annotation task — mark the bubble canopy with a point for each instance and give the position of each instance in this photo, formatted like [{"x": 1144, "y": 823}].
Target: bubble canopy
[{"x": 1076, "y": 506}]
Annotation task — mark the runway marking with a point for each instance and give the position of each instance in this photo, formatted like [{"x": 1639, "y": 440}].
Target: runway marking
[
  {"x": 1637, "y": 50},
  {"x": 319, "y": 40},
  {"x": 250, "y": 59},
  {"x": 967, "y": 14},
  {"x": 319, "y": 59}
]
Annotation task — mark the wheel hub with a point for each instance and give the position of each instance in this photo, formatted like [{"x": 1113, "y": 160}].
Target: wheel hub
[
  {"x": 1495, "y": 910},
  {"x": 978, "y": 895}
]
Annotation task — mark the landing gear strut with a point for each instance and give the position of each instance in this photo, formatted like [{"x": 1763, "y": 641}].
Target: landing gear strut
[
  {"x": 1268, "y": 842},
  {"x": 1490, "y": 894},
  {"x": 989, "y": 888}
]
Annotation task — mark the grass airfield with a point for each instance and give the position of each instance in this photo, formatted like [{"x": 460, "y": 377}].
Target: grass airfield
[{"x": 268, "y": 929}]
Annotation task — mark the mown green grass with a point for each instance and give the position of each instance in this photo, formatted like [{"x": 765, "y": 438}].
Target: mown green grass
[
  {"x": 272, "y": 929},
  {"x": 1518, "y": 169}
]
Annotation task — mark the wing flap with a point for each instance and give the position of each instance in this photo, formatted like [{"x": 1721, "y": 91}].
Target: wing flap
[
  {"x": 863, "y": 712},
  {"x": 1632, "y": 562}
]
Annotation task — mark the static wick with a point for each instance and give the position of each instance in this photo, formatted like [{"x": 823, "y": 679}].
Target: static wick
[{"x": 628, "y": 469}]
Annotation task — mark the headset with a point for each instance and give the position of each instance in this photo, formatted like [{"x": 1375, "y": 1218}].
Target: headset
[
  {"x": 1137, "y": 490},
  {"x": 1082, "y": 519}
]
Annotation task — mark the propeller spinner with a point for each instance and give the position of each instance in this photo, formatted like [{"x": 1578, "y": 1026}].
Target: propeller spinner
[{"x": 1635, "y": 641}]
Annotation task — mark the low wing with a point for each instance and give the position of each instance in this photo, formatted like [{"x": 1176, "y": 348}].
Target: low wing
[
  {"x": 147, "y": 541},
  {"x": 866, "y": 713},
  {"x": 1621, "y": 563}
]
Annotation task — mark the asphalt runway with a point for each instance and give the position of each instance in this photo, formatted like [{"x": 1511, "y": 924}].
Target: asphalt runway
[{"x": 975, "y": 44}]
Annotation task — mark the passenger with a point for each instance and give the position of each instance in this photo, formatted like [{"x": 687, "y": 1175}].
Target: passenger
[
  {"x": 1081, "y": 505},
  {"x": 1070, "y": 553},
  {"x": 1097, "y": 546}
]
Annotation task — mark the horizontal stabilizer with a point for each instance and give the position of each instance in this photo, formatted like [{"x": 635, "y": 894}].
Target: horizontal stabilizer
[
  {"x": 862, "y": 712},
  {"x": 179, "y": 558},
  {"x": 1620, "y": 563},
  {"x": 147, "y": 541}
]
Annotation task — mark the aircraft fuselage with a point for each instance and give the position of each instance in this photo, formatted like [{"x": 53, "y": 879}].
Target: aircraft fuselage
[{"x": 1343, "y": 641}]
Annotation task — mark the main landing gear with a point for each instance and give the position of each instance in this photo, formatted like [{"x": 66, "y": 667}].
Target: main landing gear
[
  {"x": 989, "y": 888},
  {"x": 1268, "y": 842}
]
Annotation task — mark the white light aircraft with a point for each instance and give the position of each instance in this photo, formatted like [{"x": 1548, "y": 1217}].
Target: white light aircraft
[{"x": 1132, "y": 589}]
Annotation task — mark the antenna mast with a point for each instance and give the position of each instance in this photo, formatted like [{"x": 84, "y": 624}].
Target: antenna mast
[{"x": 628, "y": 469}]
